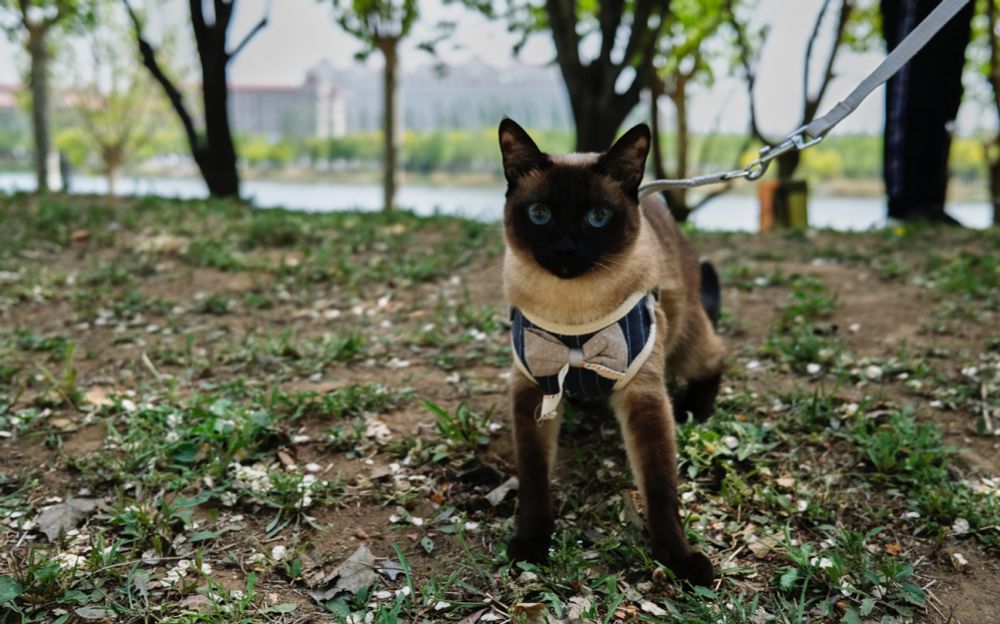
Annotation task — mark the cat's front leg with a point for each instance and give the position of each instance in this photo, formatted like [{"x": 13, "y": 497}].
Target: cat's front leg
[
  {"x": 647, "y": 422},
  {"x": 535, "y": 447}
]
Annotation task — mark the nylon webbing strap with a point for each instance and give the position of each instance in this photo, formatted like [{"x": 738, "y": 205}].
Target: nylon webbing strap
[
  {"x": 900, "y": 55},
  {"x": 814, "y": 132}
]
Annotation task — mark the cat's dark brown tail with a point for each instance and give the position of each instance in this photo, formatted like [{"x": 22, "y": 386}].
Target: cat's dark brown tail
[{"x": 711, "y": 293}]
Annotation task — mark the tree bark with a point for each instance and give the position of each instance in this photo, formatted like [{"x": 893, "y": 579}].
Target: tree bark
[
  {"x": 995, "y": 188},
  {"x": 679, "y": 97},
  {"x": 655, "y": 92},
  {"x": 677, "y": 198},
  {"x": 788, "y": 164},
  {"x": 112, "y": 158},
  {"x": 598, "y": 109},
  {"x": 111, "y": 173},
  {"x": 214, "y": 153},
  {"x": 218, "y": 165},
  {"x": 595, "y": 132},
  {"x": 39, "y": 77},
  {"x": 389, "y": 152},
  {"x": 598, "y": 114}
]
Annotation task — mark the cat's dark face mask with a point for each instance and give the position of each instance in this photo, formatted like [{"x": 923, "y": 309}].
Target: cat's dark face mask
[{"x": 572, "y": 214}]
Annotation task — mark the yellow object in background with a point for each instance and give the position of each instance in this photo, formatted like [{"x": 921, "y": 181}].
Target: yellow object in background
[{"x": 783, "y": 204}]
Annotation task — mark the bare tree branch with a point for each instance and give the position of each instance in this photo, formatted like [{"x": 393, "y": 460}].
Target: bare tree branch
[
  {"x": 562, "y": 19},
  {"x": 610, "y": 17},
  {"x": 28, "y": 24},
  {"x": 173, "y": 94},
  {"x": 813, "y": 36},
  {"x": 223, "y": 14},
  {"x": 749, "y": 73},
  {"x": 640, "y": 29},
  {"x": 812, "y": 104},
  {"x": 201, "y": 28},
  {"x": 250, "y": 35}
]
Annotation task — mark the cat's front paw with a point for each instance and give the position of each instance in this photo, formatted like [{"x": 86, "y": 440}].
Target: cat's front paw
[
  {"x": 695, "y": 569},
  {"x": 528, "y": 549}
]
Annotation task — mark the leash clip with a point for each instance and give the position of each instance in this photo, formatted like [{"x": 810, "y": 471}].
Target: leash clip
[{"x": 796, "y": 141}]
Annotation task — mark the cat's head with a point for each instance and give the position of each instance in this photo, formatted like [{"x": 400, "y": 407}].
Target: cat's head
[{"x": 576, "y": 213}]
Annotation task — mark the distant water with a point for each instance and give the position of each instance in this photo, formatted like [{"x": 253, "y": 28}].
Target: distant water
[{"x": 729, "y": 212}]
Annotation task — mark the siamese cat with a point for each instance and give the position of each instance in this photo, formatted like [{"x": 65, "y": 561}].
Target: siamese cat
[{"x": 607, "y": 299}]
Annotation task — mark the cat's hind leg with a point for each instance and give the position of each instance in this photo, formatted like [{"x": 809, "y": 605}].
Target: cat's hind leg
[{"x": 699, "y": 360}]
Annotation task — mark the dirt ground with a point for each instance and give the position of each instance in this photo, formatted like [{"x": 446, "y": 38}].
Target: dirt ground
[{"x": 349, "y": 332}]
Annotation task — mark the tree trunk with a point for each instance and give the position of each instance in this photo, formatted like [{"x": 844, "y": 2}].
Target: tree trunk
[
  {"x": 389, "y": 155},
  {"x": 111, "y": 173},
  {"x": 218, "y": 164},
  {"x": 995, "y": 188},
  {"x": 788, "y": 164},
  {"x": 596, "y": 122},
  {"x": 677, "y": 198},
  {"x": 112, "y": 159},
  {"x": 655, "y": 91},
  {"x": 679, "y": 98},
  {"x": 39, "y": 76}
]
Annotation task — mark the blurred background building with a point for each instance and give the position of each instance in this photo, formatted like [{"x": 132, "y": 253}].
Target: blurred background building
[{"x": 333, "y": 102}]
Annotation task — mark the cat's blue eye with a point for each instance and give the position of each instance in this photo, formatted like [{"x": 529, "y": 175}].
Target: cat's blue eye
[
  {"x": 539, "y": 214},
  {"x": 598, "y": 217}
]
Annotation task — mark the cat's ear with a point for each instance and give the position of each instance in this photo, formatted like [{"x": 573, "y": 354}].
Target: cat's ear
[
  {"x": 626, "y": 160},
  {"x": 520, "y": 154}
]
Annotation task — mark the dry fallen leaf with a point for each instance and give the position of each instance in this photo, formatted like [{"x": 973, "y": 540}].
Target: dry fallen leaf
[
  {"x": 499, "y": 493},
  {"x": 576, "y": 607},
  {"x": 529, "y": 612},
  {"x": 98, "y": 396},
  {"x": 197, "y": 603},
  {"x": 391, "y": 569},
  {"x": 162, "y": 243},
  {"x": 786, "y": 482},
  {"x": 55, "y": 519},
  {"x": 762, "y": 547},
  {"x": 893, "y": 549},
  {"x": 652, "y": 608},
  {"x": 959, "y": 562},
  {"x": 350, "y": 577},
  {"x": 473, "y": 617},
  {"x": 64, "y": 424}
]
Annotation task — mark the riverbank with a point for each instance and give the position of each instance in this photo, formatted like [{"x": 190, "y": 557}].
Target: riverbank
[
  {"x": 736, "y": 211},
  {"x": 960, "y": 190}
]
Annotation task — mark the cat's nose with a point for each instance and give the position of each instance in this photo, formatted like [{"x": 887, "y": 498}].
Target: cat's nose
[{"x": 565, "y": 245}]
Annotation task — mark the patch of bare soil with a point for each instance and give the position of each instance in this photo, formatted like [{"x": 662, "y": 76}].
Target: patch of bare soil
[{"x": 969, "y": 596}]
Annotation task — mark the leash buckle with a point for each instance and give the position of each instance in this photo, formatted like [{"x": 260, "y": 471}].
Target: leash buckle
[{"x": 798, "y": 139}]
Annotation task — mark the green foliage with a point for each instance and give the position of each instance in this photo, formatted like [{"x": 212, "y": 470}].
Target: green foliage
[
  {"x": 75, "y": 145},
  {"x": 687, "y": 47},
  {"x": 810, "y": 302},
  {"x": 43, "y": 15},
  {"x": 375, "y": 22},
  {"x": 464, "y": 430}
]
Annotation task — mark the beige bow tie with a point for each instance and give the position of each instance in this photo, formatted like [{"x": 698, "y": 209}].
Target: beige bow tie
[{"x": 605, "y": 353}]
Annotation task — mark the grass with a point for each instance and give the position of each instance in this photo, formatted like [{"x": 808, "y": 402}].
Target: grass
[{"x": 252, "y": 395}]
